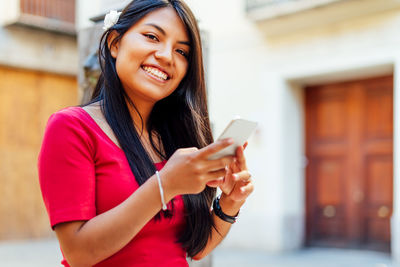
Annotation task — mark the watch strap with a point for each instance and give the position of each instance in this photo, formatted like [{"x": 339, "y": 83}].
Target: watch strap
[{"x": 218, "y": 211}]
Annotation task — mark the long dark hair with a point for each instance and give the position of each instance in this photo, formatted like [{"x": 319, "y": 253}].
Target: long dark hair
[{"x": 180, "y": 120}]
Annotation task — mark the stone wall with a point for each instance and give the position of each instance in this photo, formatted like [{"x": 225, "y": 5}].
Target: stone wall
[{"x": 29, "y": 48}]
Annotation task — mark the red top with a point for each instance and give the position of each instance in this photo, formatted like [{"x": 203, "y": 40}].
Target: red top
[{"x": 83, "y": 173}]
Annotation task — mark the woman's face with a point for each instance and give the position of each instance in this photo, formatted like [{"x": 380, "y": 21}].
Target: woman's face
[{"x": 151, "y": 57}]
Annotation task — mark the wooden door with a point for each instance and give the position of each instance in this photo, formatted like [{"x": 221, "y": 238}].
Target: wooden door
[
  {"x": 349, "y": 176},
  {"x": 27, "y": 99}
]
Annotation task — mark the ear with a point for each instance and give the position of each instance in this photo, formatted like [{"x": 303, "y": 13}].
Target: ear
[{"x": 113, "y": 46}]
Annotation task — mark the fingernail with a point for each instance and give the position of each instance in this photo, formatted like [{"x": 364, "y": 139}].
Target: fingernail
[
  {"x": 242, "y": 190},
  {"x": 230, "y": 141},
  {"x": 226, "y": 167},
  {"x": 235, "y": 176}
]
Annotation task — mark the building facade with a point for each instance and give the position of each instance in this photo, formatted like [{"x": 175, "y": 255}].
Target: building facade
[
  {"x": 321, "y": 78},
  {"x": 38, "y": 67}
]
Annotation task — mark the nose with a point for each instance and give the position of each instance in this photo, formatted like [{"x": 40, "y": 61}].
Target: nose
[{"x": 164, "y": 53}]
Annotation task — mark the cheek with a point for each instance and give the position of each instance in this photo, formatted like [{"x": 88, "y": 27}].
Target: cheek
[
  {"x": 130, "y": 55},
  {"x": 183, "y": 68},
  {"x": 125, "y": 65},
  {"x": 182, "y": 73},
  {"x": 119, "y": 67}
]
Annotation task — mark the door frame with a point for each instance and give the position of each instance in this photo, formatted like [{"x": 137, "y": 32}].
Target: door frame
[
  {"x": 353, "y": 236},
  {"x": 294, "y": 99}
]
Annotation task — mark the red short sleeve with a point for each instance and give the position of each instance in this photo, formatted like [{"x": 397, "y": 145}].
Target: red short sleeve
[{"x": 66, "y": 169}]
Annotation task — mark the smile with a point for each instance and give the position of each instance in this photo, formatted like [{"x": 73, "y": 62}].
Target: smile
[{"x": 156, "y": 73}]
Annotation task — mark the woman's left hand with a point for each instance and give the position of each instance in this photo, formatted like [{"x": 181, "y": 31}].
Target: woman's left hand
[{"x": 236, "y": 185}]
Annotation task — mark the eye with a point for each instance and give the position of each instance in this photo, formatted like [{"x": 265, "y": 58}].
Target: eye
[
  {"x": 182, "y": 52},
  {"x": 151, "y": 36}
]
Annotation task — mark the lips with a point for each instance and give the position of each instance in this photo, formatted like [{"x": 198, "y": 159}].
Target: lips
[{"x": 156, "y": 72}]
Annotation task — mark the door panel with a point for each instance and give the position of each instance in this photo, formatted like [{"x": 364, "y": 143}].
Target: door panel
[
  {"x": 349, "y": 178},
  {"x": 27, "y": 99},
  {"x": 330, "y": 185},
  {"x": 378, "y": 166}
]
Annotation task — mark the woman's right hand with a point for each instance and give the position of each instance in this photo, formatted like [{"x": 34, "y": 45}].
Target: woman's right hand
[{"x": 189, "y": 169}]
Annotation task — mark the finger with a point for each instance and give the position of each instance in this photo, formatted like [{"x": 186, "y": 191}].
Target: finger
[
  {"x": 234, "y": 166},
  {"x": 213, "y": 148},
  {"x": 187, "y": 150},
  {"x": 229, "y": 182},
  {"x": 241, "y": 160},
  {"x": 246, "y": 189},
  {"x": 231, "y": 169},
  {"x": 228, "y": 172},
  {"x": 217, "y": 164},
  {"x": 216, "y": 183},
  {"x": 245, "y": 145},
  {"x": 243, "y": 176},
  {"x": 215, "y": 175},
  {"x": 241, "y": 192}
]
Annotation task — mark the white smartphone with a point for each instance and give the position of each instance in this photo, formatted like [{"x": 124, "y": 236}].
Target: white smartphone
[{"x": 239, "y": 130}]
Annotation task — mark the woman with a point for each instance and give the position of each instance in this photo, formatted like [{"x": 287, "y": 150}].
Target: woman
[{"x": 126, "y": 178}]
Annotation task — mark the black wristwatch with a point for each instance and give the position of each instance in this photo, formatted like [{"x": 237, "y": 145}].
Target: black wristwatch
[{"x": 218, "y": 211}]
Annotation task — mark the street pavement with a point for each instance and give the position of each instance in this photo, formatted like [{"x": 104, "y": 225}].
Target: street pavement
[
  {"x": 46, "y": 253},
  {"x": 32, "y": 253},
  {"x": 308, "y": 257}
]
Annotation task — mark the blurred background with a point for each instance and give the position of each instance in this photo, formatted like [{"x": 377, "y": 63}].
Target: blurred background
[{"x": 320, "y": 76}]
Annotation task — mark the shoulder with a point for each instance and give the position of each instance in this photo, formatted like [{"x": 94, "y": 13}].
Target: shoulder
[
  {"x": 68, "y": 129},
  {"x": 68, "y": 121},
  {"x": 69, "y": 117},
  {"x": 68, "y": 114}
]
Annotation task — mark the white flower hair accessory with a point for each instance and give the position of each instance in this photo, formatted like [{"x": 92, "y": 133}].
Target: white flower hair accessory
[{"x": 110, "y": 19}]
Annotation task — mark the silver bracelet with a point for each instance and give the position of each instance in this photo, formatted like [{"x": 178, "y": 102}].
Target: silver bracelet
[{"x": 164, "y": 206}]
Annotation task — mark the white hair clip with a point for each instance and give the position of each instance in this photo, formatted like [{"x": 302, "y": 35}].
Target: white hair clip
[{"x": 110, "y": 19}]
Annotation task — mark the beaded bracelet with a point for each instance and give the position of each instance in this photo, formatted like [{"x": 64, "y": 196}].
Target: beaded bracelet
[{"x": 218, "y": 211}]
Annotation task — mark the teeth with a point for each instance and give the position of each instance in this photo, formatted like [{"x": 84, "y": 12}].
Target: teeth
[{"x": 156, "y": 72}]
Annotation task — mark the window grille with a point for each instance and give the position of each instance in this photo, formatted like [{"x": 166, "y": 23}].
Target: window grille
[{"x": 60, "y": 10}]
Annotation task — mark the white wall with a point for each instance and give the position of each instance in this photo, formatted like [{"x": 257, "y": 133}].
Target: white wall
[
  {"x": 107, "y": 5},
  {"x": 262, "y": 76},
  {"x": 9, "y": 10},
  {"x": 239, "y": 85},
  {"x": 28, "y": 48},
  {"x": 87, "y": 9}
]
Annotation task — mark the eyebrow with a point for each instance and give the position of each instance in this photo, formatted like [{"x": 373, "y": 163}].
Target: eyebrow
[{"x": 163, "y": 32}]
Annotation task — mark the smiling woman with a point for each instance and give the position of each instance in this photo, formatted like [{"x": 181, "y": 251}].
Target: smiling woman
[
  {"x": 126, "y": 178},
  {"x": 151, "y": 57}
]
